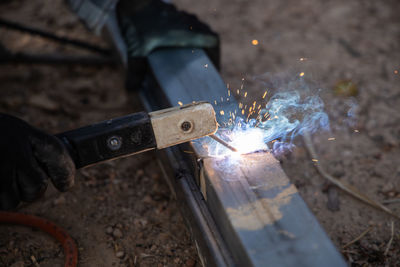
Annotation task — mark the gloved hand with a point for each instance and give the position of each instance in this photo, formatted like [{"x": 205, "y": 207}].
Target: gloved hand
[
  {"x": 147, "y": 25},
  {"x": 28, "y": 159}
]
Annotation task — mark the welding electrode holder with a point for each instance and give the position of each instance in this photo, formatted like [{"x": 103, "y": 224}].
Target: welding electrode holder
[
  {"x": 110, "y": 139},
  {"x": 139, "y": 132}
]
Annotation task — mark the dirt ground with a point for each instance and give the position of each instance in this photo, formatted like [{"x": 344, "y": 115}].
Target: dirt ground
[{"x": 121, "y": 213}]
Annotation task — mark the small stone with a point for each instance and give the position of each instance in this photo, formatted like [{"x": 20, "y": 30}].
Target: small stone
[
  {"x": 375, "y": 247},
  {"x": 117, "y": 233},
  {"x": 190, "y": 263},
  {"x": 42, "y": 101},
  {"x": 333, "y": 203},
  {"x": 143, "y": 222},
  {"x": 338, "y": 173},
  {"x": 388, "y": 187},
  {"x": 120, "y": 254},
  {"x": 346, "y": 88},
  {"x": 60, "y": 200},
  {"x": 109, "y": 230},
  {"x": 139, "y": 173},
  {"x": 147, "y": 199}
]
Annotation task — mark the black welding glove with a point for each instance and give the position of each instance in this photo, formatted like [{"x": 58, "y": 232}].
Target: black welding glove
[
  {"x": 28, "y": 159},
  {"x": 147, "y": 25}
]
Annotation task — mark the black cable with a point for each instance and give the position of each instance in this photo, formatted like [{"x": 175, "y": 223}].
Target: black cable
[
  {"x": 14, "y": 58},
  {"x": 48, "y": 35}
]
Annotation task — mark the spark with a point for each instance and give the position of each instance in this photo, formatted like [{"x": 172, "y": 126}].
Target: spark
[
  {"x": 268, "y": 123},
  {"x": 205, "y": 65},
  {"x": 254, "y": 42},
  {"x": 301, "y": 74},
  {"x": 180, "y": 103},
  {"x": 265, "y": 94},
  {"x": 215, "y": 102},
  {"x": 302, "y": 59},
  {"x": 356, "y": 131}
]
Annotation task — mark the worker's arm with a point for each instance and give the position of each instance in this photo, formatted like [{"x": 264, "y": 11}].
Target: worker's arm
[
  {"x": 29, "y": 158},
  {"x": 148, "y": 25}
]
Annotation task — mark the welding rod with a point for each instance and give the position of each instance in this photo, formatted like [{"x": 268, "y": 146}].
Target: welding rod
[{"x": 219, "y": 140}]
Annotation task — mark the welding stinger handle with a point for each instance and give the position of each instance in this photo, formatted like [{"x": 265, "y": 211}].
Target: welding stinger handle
[
  {"x": 139, "y": 132},
  {"x": 110, "y": 139}
]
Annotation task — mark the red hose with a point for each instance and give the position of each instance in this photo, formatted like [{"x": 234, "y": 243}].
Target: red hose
[{"x": 70, "y": 249}]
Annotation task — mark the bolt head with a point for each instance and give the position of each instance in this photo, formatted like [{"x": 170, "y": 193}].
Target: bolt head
[
  {"x": 114, "y": 142},
  {"x": 186, "y": 126}
]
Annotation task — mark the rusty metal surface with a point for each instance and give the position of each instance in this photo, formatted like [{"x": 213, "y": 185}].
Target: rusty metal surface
[{"x": 261, "y": 215}]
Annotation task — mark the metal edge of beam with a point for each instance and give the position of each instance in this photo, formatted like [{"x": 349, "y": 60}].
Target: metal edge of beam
[
  {"x": 180, "y": 176},
  {"x": 268, "y": 225}
]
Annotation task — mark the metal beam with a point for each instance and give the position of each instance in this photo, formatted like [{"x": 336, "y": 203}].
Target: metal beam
[{"x": 261, "y": 217}]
